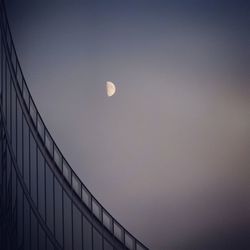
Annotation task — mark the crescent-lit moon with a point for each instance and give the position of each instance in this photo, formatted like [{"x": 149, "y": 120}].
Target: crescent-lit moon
[{"x": 110, "y": 88}]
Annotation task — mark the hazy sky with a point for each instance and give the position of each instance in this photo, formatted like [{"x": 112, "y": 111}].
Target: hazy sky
[{"x": 168, "y": 154}]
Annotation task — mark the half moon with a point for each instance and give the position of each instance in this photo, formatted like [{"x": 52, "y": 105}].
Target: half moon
[{"x": 110, "y": 88}]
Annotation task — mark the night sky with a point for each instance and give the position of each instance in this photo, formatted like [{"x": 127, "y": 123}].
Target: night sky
[{"x": 168, "y": 155}]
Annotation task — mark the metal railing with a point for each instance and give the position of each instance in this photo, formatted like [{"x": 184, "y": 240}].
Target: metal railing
[{"x": 104, "y": 217}]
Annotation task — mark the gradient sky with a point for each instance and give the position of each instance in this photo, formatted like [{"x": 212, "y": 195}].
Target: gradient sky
[{"x": 168, "y": 154}]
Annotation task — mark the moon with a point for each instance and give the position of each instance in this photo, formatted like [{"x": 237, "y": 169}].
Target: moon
[{"x": 110, "y": 88}]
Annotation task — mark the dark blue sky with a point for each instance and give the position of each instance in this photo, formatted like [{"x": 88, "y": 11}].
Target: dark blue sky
[{"x": 168, "y": 154}]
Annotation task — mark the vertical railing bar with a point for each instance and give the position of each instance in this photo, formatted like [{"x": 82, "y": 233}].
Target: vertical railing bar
[
  {"x": 54, "y": 230},
  {"x": 45, "y": 197},
  {"x": 5, "y": 94},
  {"x": 72, "y": 225}
]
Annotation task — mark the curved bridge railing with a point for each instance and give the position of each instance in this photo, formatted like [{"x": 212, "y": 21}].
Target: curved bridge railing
[{"x": 110, "y": 224}]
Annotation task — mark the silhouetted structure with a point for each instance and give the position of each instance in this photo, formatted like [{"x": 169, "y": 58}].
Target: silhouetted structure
[{"x": 43, "y": 204}]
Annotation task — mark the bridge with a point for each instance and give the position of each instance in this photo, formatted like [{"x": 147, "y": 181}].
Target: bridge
[{"x": 43, "y": 203}]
